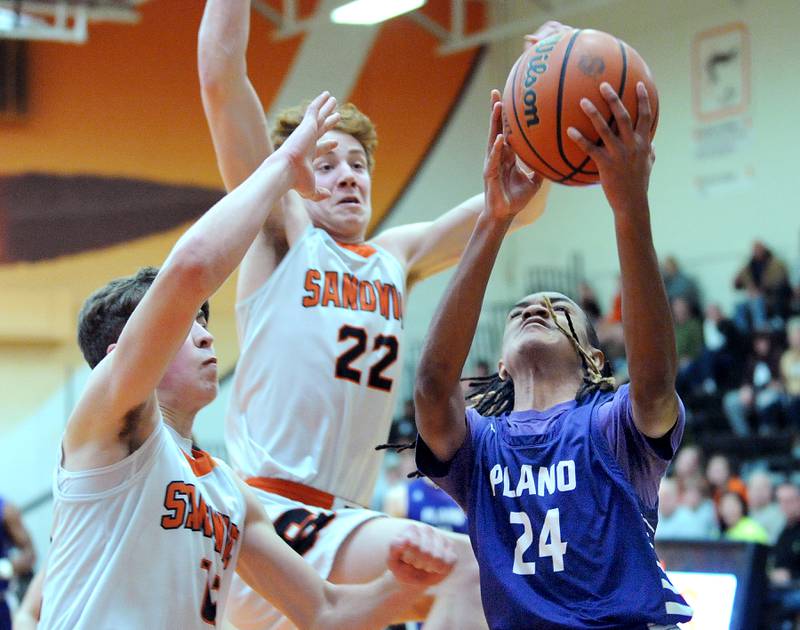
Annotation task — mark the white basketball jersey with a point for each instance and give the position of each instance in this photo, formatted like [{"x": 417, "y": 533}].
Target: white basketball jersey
[
  {"x": 149, "y": 542},
  {"x": 317, "y": 377}
]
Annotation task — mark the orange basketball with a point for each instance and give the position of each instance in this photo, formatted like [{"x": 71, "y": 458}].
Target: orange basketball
[{"x": 542, "y": 97}]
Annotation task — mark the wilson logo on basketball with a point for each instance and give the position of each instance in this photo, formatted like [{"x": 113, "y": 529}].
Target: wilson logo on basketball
[
  {"x": 188, "y": 510},
  {"x": 332, "y": 289},
  {"x": 537, "y": 65}
]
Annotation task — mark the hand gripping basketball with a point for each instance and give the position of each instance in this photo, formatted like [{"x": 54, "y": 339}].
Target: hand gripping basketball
[
  {"x": 507, "y": 188},
  {"x": 421, "y": 556}
]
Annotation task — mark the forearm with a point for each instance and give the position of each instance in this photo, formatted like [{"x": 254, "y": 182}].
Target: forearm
[
  {"x": 29, "y": 611},
  {"x": 646, "y": 317},
  {"x": 222, "y": 42},
  {"x": 365, "y": 606},
  {"x": 453, "y": 327},
  {"x": 222, "y": 236}
]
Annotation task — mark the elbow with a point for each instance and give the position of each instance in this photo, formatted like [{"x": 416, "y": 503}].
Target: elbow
[
  {"x": 190, "y": 268},
  {"x": 217, "y": 69},
  {"x": 430, "y": 387}
]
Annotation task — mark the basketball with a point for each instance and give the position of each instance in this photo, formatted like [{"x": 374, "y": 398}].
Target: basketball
[{"x": 542, "y": 97}]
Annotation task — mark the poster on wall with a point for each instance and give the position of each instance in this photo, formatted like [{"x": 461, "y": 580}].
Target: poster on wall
[{"x": 721, "y": 96}]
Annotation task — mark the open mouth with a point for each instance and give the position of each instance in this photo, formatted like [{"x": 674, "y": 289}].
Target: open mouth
[
  {"x": 211, "y": 361},
  {"x": 348, "y": 200}
]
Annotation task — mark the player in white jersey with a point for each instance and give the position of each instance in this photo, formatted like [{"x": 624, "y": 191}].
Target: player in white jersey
[
  {"x": 148, "y": 530},
  {"x": 319, "y": 305}
]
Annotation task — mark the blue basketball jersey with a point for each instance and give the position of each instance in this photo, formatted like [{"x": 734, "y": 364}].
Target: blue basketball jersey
[
  {"x": 5, "y": 543},
  {"x": 560, "y": 535},
  {"x": 430, "y": 504}
]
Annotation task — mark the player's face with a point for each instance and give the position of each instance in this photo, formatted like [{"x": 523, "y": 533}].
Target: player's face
[
  {"x": 343, "y": 171},
  {"x": 190, "y": 382},
  {"x": 531, "y": 332}
]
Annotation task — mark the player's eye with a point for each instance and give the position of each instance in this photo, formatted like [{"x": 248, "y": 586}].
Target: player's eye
[
  {"x": 359, "y": 166},
  {"x": 514, "y": 314}
]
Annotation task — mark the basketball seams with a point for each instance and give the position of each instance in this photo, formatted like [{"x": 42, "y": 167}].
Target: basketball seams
[
  {"x": 560, "y": 100},
  {"x": 621, "y": 91},
  {"x": 514, "y": 86}
]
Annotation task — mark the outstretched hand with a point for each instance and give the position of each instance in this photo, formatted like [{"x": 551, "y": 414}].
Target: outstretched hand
[
  {"x": 625, "y": 157},
  {"x": 303, "y": 145},
  {"x": 421, "y": 556},
  {"x": 551, "y": 27},
  {"x": 507, "y": 188}
]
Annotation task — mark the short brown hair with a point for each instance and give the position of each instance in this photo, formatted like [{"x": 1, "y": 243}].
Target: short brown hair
[
  {"x": 353, "y": 122},
  {"x": 106, "y": 311}
]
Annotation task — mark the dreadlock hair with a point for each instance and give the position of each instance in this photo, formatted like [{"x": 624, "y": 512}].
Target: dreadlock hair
[
  {"x": 106, "y": 311},
  {"x": 493, "y": 396}
]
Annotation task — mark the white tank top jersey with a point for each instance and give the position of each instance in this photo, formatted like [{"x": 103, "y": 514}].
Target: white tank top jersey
[
  {"x": 149, "y": 542},
  {"x": 317, "y": 377}
]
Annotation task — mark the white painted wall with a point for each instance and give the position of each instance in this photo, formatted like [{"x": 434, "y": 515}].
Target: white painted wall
[{"x": 710, "y": 235}]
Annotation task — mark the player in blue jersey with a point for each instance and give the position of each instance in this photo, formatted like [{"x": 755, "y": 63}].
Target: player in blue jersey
[
  {"x": 557, "y": 472},
  {"x": 13, "y": 535}
]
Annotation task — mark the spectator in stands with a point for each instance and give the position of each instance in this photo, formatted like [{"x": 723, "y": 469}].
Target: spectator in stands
[
  {"x": 786, "y": 553},
  {"x": 681, "y": 522},
  {"x": 688, "y": 465},
  {"x": 481, "y": 369},
  {"x": 721, "y": 478},
  {"x": 688, "y": 332},
  {"x": 701, "y": 516},
  {"x": 726, "y": 348},
  {"x": 765, "y": 279},
  {"x": 13, "y": 537},
  {"x": 587, "y": 300},
  {"x": 761, "y": 506},
  {"x": 790, "y": 374},
  {"x": 404, "y": 429},
  {"x": 679, "y": 285},
  {"x": 760, "y": 395},
  {"x": 736, "y": 524},
  {"x": 610, "y": 334}
]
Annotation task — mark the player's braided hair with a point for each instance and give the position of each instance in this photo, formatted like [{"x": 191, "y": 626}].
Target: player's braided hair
[{"x": 492, "y": 395}]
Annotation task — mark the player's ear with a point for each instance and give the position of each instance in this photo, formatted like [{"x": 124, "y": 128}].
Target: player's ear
[{"x": 502, "y": 372}]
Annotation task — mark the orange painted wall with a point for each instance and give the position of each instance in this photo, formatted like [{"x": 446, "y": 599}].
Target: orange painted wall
[{"x": 128, "y": 103}]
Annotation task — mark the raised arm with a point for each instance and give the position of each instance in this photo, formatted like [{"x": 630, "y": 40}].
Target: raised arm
[
  {"x": 27, "y": 615},
  {"x": 202, "y": 259},
  {"x": 438, "y": 398},
  {"x": 234, "y": 112},
  {"x": 624, "y": 160},
  {"x": 239, "y": 132},
  {"x": 419, "y": 559}
]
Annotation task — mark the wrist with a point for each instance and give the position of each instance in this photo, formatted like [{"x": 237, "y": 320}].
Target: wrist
[
  {"x": 487, "y": 220},
  {"x": 634, "y": 206}
]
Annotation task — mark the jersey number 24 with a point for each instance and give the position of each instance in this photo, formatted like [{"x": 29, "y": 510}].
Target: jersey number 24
[{"x": 551, "y": 529}]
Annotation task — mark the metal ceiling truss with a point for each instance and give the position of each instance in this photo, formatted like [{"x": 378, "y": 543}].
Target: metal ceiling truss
[
  {"x": 507, "y": 18},
  {"x": 62, "y": 20}
]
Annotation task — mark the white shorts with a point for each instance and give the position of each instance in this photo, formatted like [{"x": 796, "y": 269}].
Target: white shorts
[{"x": 313, "y": 532}]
